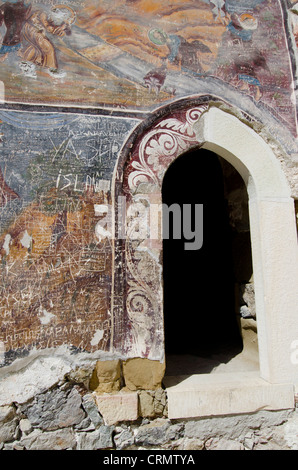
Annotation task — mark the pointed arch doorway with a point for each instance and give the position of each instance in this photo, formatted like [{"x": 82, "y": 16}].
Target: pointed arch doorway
[
  {"x": 201, "y": 306},
  {"x": 137, "y": 297}
]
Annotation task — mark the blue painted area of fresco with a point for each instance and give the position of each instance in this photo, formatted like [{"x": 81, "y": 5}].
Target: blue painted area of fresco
[{"x": 38, "y": 149}]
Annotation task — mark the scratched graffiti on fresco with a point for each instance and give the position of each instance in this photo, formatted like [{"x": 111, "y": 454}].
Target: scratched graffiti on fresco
[
  {"x": 137, "y": 54},
  {"x": 55, "y": 173}
]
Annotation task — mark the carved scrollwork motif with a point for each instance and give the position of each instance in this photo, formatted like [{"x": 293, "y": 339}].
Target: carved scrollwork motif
[
  {"x": 143, "y": 281},
  {"x": 168, "y": 139},
  {"x": 157, "y": 149}
]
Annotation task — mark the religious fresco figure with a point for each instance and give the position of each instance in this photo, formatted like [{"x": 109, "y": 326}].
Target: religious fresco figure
[
  {"x": 26, "y": 33},
  {"x": 40, "y": 50},
  {"x": 247, "y": 61},
  {"x": 186, "y": 54},
  {"x": 13, "y": 15},
  {"x": 182, "y": 53}
]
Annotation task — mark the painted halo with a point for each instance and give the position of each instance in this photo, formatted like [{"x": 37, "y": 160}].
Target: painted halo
[
  {"x": 72, "y": 13},
  {"x": 158, "y": 36},
  {"x": 248, "y": 21}
]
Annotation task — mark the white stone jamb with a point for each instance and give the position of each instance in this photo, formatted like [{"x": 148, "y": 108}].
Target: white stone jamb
[{"x": 274, "y": 239}]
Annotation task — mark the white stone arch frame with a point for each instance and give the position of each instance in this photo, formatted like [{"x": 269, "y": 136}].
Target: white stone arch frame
[
  {"x": 137, "y": 298},
  {"x": 273, "y": 237}
]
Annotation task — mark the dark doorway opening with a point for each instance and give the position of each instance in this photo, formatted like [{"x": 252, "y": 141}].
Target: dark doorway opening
[{"x": 199, "y": 286}]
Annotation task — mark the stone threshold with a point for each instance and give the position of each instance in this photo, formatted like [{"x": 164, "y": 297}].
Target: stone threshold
[{"x": 202, "y": 395}]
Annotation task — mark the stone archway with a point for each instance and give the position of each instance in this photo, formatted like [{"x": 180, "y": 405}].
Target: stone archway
[
  {"x": 137, "y": 303},
  {"x": 199, "y": 278},
  {"x": 202, "y": 276},
  {"x": 138, "y": 294}
]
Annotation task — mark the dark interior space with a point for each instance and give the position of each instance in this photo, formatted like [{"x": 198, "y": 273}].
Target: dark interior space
[{"x": 199, "y": 285}]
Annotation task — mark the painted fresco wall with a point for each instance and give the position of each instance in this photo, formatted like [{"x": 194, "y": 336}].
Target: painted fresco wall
[
  {"x": 138, "y": 54},
  {"x": 76, "y": 80},
  {"x": 55, "y": 183}
]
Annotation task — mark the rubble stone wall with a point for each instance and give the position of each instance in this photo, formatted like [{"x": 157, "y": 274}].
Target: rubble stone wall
[{"x": 66, "y": 416}]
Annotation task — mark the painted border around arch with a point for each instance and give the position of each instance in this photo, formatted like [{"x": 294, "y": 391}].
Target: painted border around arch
[{"x": 137, "y": 297}]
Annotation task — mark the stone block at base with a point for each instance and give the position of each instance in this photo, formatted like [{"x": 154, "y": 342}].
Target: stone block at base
[
  {"x": 224, "y": 394},
  {"x": 143, "y": 374},
  {"x": 106, "y": 377},
  {"x": 117, "y": 407}
]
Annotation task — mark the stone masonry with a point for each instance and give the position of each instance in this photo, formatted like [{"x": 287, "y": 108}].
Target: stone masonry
[{"x": 70, "y": 415}]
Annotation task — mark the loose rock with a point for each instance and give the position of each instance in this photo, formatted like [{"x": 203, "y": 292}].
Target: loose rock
[
  {"x": 101, "y": 438},
  {"x": 56, "y": 440},
  {"x": 56, "y": 409}
]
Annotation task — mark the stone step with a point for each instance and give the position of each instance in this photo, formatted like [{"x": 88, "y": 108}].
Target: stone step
[{"x": 224, "y": 394}]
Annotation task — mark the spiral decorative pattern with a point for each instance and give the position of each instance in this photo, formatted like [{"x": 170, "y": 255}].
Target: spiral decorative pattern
[{"x": 159, "y": 147}]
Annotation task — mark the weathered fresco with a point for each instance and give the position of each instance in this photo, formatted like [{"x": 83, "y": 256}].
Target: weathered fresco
[
  {"x": 138, "y": 54},
  {"x": 55, "y": 182},
  {"x": 84, "y": 85},
  {"x": 138, "y": 318}
]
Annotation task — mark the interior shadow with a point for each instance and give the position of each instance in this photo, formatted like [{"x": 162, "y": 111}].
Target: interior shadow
[{"x": 201, "y": 326}]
